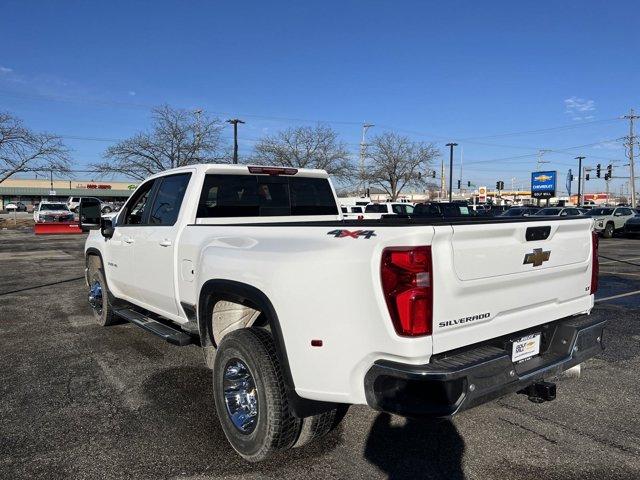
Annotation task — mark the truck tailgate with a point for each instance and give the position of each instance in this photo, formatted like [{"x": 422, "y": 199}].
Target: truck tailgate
[{"x": 496, "y": 278}]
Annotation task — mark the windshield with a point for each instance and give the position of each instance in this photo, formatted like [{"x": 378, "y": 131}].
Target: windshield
[
  {"x": 600, "y": 211},
  {"x": 548, "y": 211},
  {"x": 53, "y": 206}
]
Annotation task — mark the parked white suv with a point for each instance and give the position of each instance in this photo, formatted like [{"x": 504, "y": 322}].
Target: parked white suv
[
  {"x": 74, "y": 202},
  {"x": 608, "y": 220},
  {"x": 301, "y": 313}
]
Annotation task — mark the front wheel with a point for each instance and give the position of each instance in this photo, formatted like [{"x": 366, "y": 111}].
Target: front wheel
[
  {"x": 608, "y": 230},
  {"x": 99, "y": 299},
  {"x": 250, "y": 395}
]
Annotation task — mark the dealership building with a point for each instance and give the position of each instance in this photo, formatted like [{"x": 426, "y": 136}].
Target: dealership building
[{"x": 33, "y": 191}]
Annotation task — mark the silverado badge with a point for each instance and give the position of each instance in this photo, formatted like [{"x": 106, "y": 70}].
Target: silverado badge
[{"x": 537, "y": 258}]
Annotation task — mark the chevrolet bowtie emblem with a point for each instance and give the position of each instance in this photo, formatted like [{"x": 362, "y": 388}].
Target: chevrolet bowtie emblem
[{"x": 537, "y": 257}]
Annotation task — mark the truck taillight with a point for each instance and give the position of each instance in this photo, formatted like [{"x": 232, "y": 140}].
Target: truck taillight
[
  {"x": 408, "y": 289},
  {"x": 595, "y": 267}
]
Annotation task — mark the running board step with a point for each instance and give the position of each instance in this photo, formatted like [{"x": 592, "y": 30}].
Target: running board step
[{"x": 171, "y": 335}]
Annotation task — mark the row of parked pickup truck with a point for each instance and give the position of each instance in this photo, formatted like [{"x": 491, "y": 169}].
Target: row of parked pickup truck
[{"x": 301, "y": 312}]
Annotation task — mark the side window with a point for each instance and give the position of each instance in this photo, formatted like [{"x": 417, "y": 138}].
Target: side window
[
  {"x": 564, "y": 213},
  {"x": 134, "y": 214},
  {"x": 627, "y": 211},
  {"x": 168, "y": 199},
  {"x": 398, "y": 209}
]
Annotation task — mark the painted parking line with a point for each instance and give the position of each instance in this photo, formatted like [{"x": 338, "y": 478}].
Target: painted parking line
[
  {"x": 621, "y": 273},
  {"x": 617, "y": 261},
  {"x": 613, "y": 297}
]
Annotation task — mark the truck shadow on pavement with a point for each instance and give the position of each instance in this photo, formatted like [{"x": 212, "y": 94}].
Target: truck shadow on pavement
[{"x": 418, "y": 449}]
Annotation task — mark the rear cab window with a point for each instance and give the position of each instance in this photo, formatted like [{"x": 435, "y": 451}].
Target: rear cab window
[
  {"x": 265, "y": 196},
  {"x": 376, "y": 208}
]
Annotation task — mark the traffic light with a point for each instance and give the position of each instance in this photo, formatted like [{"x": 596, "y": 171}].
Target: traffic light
[
  {"x": 459, "y": 184},
  {"x": 469, "y": 183},
  {"x": 499, "y": 185},
  {"x": 433, "y": 174},
  {"x": 586, "y": 177},
  {"x": 610, "y": 170},
  {"x": 598, "y": 170}
]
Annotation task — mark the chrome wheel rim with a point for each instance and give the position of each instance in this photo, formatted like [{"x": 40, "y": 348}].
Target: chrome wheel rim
[
  {"x": 240, "y": 396},
  {"x": 95, "y": 297}
]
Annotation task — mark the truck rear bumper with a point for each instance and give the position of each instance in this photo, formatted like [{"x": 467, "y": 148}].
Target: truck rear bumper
[{"x": 468, "y": 377}]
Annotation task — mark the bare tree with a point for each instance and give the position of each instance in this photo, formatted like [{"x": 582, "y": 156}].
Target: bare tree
[
  {"x": 398, "y": 162},
  {"x": 306, "y": 147},
  {"x": 177, "y": 138},
  {"x": 22, "y": 150}
]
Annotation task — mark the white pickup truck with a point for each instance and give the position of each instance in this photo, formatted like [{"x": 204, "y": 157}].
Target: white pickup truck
[{"x": 301, "y": 313}]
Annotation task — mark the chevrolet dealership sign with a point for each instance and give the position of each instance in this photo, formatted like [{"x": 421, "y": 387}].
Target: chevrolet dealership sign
[{"x": 543, "y": 184}]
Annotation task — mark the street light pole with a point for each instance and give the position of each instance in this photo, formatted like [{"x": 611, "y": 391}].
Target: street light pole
[
  {"x": 580, "y": 173},
  {"x": 451, "y": 145},
  {"x": 235, "y": 122}
]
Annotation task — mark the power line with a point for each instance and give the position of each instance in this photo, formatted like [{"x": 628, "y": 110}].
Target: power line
[
  {"x": 542, "y": 130},
  {"x": 137, "y": 105}
]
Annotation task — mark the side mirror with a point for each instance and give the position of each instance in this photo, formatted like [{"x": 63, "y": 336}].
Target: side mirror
[
  {"x": 106, "y": 227},
  {"x": 89, "y": 214}
]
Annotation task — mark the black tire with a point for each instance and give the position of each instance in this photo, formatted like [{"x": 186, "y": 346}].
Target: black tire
[
  {"x": 317, "y": 426},
  {"x": 102, "y": 310},
  {"x": 609, "y": 229},
  {"x": 275, "y": 428}
]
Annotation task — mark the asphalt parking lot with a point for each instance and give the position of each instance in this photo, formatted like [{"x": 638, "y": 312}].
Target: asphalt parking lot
[{"x": 81, "y": 401}]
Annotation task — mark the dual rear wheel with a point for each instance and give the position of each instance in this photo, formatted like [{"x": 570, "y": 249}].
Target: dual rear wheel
[{"x": 251, "y": 399}]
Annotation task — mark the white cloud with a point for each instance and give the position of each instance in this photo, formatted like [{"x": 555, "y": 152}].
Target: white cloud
[
  {"x": 5, "y": 69},
  {"x": 132, "y": 93},
  {"x": 579, "y": 108},
  {"x": 608, "y": 145}
]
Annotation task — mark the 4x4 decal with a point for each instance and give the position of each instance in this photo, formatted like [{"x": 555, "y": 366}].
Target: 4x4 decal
[{"x": 353, "y": 234}]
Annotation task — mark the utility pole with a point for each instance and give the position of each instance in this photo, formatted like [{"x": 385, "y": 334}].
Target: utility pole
[
  {"x": 632, "y": 139},
  {"x": 451, "y": 145},
  {"x": 461, "y": 157},
  {"x": 235, "y": 122},
  {"x": 540, "y": 160},
  {"x": 443, "y": 184},
  {"x": 580, "y": 175},
  {"x": 363, "y": 154}
]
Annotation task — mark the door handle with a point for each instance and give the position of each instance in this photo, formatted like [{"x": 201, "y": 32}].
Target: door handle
[
  {"x": 127, "y": 239},
  {"x": 165, "y": 243}
]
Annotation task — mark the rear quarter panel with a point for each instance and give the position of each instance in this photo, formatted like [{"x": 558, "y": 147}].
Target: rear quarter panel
[{"x": 322, "y": 287}]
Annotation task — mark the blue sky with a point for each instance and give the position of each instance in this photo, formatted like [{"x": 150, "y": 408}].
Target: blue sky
[{"x": 436, "y": 71}]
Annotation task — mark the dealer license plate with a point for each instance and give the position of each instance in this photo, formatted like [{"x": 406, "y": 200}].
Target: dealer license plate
[{"x": 525, "y": 347}]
